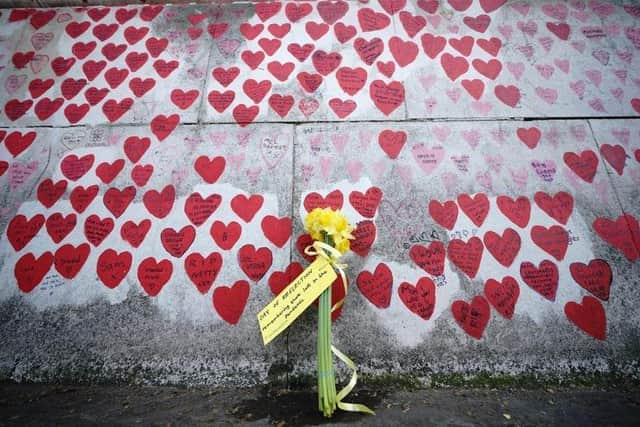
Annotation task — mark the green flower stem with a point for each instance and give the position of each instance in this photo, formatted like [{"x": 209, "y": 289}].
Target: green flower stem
[{"x": 326, "y": 378}]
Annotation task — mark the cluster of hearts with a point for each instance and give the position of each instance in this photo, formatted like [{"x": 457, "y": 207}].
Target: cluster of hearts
[
  {"x": 112, "y": 267},
  {"x": 387, "y": 97},
  {"x": 595, "y": 277},
  {"x": 70, "y": 88}
]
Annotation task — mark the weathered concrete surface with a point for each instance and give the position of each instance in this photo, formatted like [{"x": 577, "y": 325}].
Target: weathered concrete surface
[
  {"x": 109, "y": 405},
  {"x": 106, "y": 320},
  {"x": 235, "y": 115}
]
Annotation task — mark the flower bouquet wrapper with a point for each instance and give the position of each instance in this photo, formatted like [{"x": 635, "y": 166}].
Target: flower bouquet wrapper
[{"x": 331, "y": 233}]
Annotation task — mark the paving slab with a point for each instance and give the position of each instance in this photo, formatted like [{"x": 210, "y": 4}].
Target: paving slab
[
  {"x": 523, "y": 59},
  {"x": 619, "y": 145},
  {"x": 472, "y": 241},
  {"x": 299, "y": 62},
  {"x": 160, "y": 245},
  {"x": 106, "y": 65}
]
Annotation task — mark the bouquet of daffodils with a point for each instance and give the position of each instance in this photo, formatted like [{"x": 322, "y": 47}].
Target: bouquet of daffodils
[{"x": 331, "y": 233}]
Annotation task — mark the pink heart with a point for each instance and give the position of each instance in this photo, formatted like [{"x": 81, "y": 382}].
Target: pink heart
[
  {"x": 625, "y": 55},
  {"x": 519, "y": 177},
  {"x": 193, "y": 141},
  {"x": 454, "y": 94},
  {"x": 563, "y": 64},
  {"x": 613, "y": 29},
  {"x": 40, "y": 40},
  {"x": 430, "y": 105},
  {"x": 461, "y": 162},
  {"x": 494, "y": 162},
  {"x": 595, "y": 76},
  {"x": 243, "y": 138},
  {"x": 618, "y": 93},
  {"x": 14, "y": 82},
  {"x": 530, "y": 28},
  {"x": 521, "y": 8},
  {"x": 483, "y": 108},
  {"x": 354, "y": 168},
  {"x": 622, "y": 135},
  {"x": 578, "y": 87},
  {"x": 580, "y": 15},
  {"x": 506, "y": 31},
  {"x": 602, "y": 56},
  {"x": 326, "y": 166},
  {"x": 379, "y": 168},
  {"x": 526, "y": 50},
  {"x": 441, "y": 132},
  {"x": 500, "y": 134},
  {"x": 236, "y": 160},
  {"x": 579, "y": 46},
  {"x": 450, "y": 181},
  {"x": 601, "y": 9},
  {"x": 273, "y": 150},
  {"x": 20, "y": 172},
  {"x": 228, "y": 46},
  {"x": 64, "y": 17},
  {"x": 545, "y": 70},
  {"x": 316, "y": 142},
  {"x": 545, "y": 169},
  {"x": 557, "y": 11},
  {"x": 597, "y": 105},
  {"x": 253, "y": 174},
  {"x": 340, "y": 142},
  {"x": 170, "y": 13},
  {"x": 365, "y": 137},
  {"x": 428, "y": 159},
  {"x": 553, "y": 136},
  {"x": 578, "y": 4},
  {"x": 548, "y": 95},
  {"x": 472, "y": 137},
  {"x": 516, "y": 68},
  {"x": 579, "y": 132},
  {"x": 38, "y": 63},
  {"x": 217, "y": 139},
  {"x": 406, "y": 174},
  {"x": 484, "y": 179},
  {"x": 434, "y": 20},
  {"x": 546, "y": 43},
  {"x": 307, "y": 172},
  {"x": 308, "y": 106},
  {"x": 427, "y": 81}
]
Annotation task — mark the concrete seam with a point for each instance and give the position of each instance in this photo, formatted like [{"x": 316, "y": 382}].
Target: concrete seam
[
  {"x": 294, "y": 135},
  {"x": 338, "y": 122}
]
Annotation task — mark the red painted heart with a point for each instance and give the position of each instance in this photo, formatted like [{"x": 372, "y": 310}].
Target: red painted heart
[
  {"x": 472, "y": 318},
  {"x": 503, "y": 296},
  {"x": 203, "y": 271},
  {"x": 419, "y": 299},
  {"x": 229, "y": 302},
  {"x": 542, "y": 279},
  {"x": 431, "y": 258}
]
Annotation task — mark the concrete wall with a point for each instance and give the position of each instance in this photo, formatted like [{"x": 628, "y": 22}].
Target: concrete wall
[{"x": 486, "y": 241}]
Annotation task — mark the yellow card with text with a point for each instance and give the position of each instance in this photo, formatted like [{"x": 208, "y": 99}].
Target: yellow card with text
[{"x": 295, "y": 298}]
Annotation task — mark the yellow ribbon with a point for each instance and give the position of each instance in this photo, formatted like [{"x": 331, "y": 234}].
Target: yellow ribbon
[{"x": 332, "y": 255}]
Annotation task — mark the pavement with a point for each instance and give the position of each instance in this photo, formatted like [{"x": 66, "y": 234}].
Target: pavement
[
  {"x": 157, "y": 161},
  {"x": 42, "y": 404}
]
